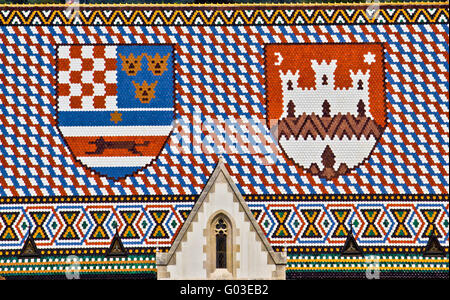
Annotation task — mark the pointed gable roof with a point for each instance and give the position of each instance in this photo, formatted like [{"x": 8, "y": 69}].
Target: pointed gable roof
[
  {"x": 29, "y": 249},
  {"x": 351, "y": 247},
  {"x": 116, "y": 249},
  {"x": 277, "y": 257},
  {"x": 433, "y": 247}
]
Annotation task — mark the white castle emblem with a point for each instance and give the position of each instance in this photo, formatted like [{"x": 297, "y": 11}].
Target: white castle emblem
[{"x": 326, "y": 129}]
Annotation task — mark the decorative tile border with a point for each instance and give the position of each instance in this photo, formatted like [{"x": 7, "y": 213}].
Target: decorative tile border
[
  {"x": 369, "y": 267},
  {"x": 299, "y": 266},
  {"x": 98, "y": 199},
  {"x": 301, "y": 223},
  {"x": 82, "y": 266},
  {"x": 91, "y": 225},
  {"x": 322, "y": 226},
  {"x": 97, "y": 15}
]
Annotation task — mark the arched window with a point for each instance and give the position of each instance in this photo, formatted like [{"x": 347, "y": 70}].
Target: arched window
[
  {"x": 221, "y": 243},
  {"x": 220, "y": 247}
]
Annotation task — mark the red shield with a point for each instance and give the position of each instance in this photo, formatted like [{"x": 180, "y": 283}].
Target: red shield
[{"x": 327, "y": 103}]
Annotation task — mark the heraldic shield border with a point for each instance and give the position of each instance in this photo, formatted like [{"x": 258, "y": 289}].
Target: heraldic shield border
[
  {"x": 275, "y": 124},
  {"x": 162, "y": 132}
]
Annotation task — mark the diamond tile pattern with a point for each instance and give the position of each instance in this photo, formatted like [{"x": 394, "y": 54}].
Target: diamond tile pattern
[{"x": 220, "y": 88}]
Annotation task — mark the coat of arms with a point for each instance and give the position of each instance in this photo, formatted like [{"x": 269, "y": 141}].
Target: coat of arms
[
  {"x": 327, "y": 103},
  {"x": 115, "y": 104}
]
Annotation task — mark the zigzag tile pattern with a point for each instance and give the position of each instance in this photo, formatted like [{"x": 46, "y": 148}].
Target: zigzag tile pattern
[
  {"x": 293, "y": 223},
  {"x": 337, "y": 126},
  {"x": 232, "y": 16},
  {"x": 220, "y": 88},
  {"x": 76, "y": 226}
]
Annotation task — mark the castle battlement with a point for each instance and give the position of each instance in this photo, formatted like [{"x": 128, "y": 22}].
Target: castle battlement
[{"x": 310, "y": 100}]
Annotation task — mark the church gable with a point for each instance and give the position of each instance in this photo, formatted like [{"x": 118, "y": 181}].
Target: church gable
[{"x": 221, "y": 239}]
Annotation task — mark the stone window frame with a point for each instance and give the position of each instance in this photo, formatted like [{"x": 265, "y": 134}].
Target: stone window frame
[{"x": 210, "y": 248}]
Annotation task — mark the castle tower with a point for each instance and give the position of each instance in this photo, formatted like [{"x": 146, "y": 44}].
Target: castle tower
[
  {"x": 324, "y": 74},
  {"x": 360, "y": 80},
  {"x": 290, "y": 90},
  {"x": 360, "y": 92}
]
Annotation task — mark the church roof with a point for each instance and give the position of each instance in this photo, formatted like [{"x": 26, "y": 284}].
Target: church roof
[{"x": 224, "y": 114}]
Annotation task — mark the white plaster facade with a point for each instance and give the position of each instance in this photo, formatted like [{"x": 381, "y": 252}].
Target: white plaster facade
[{"x": 193, "y": 254}]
